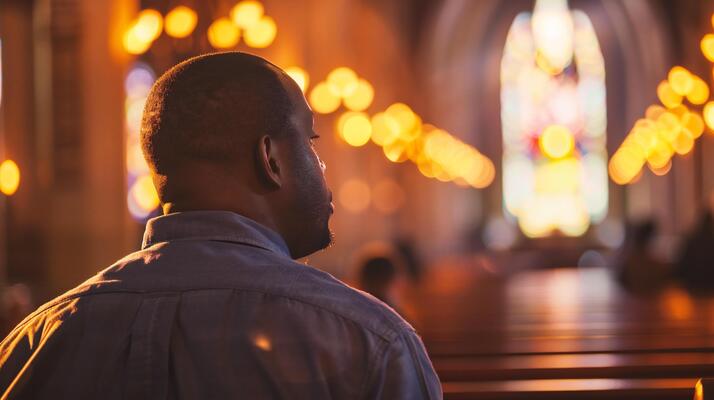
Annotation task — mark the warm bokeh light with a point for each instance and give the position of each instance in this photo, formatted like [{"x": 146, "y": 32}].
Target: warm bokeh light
[
  {"x": 323, "y": 100},
  {"x": 680, "y": 80},
  {"x": 667, "y": 95},
  {"x": 707, "y": 46},
  {"x": 261, "y": 34},
  {"x": 354, "y": 128},
  {"x": 556, "y": 141},
  {"x": 553, "y": 32},
  {"x": 388, "y": 196},
  {"x": 354, "y": 195},
  {"x": 144, "y": 194},
  {"x": 361, "y": 98},
  {"x": 385, "y": 129},
  {"x": 134, "y": 45},
  {"x": 693, "y": 123},
  {"x": 9, "y": 177},
  {"x": 247, "y": 13},
  {"x": 148, "y": 25},
  {"x": 300, "y": 77},
  {"x": 708, "y": 114},
  {"x": 180, "y": 22},
  {"x": 223, "y": 34},
  {"x": 700, "y": 91},
  {"x": 342, "y": 81},
  {"x": 137, "y": 84}
]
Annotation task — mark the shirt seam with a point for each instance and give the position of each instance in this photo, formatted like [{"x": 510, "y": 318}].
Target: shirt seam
[
  {"x": 386, "y": 336},
  {"x": 221, "y": 238},
  {"x": 417, "y": 365},
  {"x": 371, "y": 369}
]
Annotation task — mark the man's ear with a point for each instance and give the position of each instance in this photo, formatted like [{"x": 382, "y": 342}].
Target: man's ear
[{"x": 268, "y": 166}]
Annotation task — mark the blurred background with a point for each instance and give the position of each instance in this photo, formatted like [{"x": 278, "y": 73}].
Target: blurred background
[{"x": 515, "y": 177}]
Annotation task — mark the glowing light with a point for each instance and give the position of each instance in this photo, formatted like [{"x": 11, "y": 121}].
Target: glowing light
[
  {"x": 148, "y": 25},
  {"x": 300, "y": 77},
  {"x": 667, "y": 95},
  {"x": 693, "y": 123},
  {"x": 663, "y": 170},
  {"x": 680, "y": 80},
  {"x": 709, "y": 114},
  {"x": 342, "y": 81},
  {"x": 556, "y": 141},
  {"x": 699, "y": 93},
  {"x": 385, "y": 129},
  {"x": 180, "y": 22},
  {"x": 388, "y": 196},
  {"x": 406, "y": 118},
  {"x": 133, "y": 44},
  {"x": 707, "y": 46},
  {"x": 354, "y": 195},
  {"x": 355, "y": 128},
  {"x": 323, "y": 100},
  {"x": 553, "y": 32},
  {"x": 247, "y": 13},
  {"x": 223, "y": 33},
  {"x": 262, "y": 342},
  {"x": 137, "y": 83},
  {"x": 262, "y": 33},
  {"x": 144, "y": 193},
  {"x": 9, "y": 177},
  {"x": 361, "y": 98}
]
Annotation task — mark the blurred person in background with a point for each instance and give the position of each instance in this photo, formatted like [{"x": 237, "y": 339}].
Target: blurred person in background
[
  {"x": 214, "y": 306},
  {"x": 695, "y": 264},
  {"x": 635, "y": 266}
]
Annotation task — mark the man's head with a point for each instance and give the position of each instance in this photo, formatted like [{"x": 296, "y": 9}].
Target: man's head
[{"x": 231, "y": 131}]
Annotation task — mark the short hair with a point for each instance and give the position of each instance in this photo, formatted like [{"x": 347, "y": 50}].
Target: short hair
[{"x": 208, "y": 107}]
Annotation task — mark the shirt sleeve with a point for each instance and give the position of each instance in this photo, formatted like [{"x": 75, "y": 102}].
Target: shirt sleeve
[{"x": 404, "y": 371}]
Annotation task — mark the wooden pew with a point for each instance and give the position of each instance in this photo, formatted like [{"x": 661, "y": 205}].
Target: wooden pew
[{"x": 559, "y": 334}]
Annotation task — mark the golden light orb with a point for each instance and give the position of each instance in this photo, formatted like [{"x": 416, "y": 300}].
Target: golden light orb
[
  {"x": 342, "y": 81},
  {"x": 148, "y": 25},
  {"x": 667, "y": 95},
  {"x": 355, "y": 128},
  {"x": 683, "y": 144},
  {"x": 699, "y": 93},
  {"x": 247, "y": 13},
  {"x": 133, "y": 44},
  {"x": 385, "y": 129},
  {"x": 9, "y": 177},
  {"x": 556, "y": 141},
  {"x": 322, "y": 100},
  {"x": 361, "y": 98},
  {"x": 396, "y": 151},
  {"x": 299, "y": 75},
  {"x": 388, "y": 196},
  {"x": 409, "y": 122},
  {"x": 354, "y": 195},
  {"x": 708, "y": 114},
  {"x": 707, "y": 46},
  {"x": 144, "y": 193},
  {"x": 693, "y": 123},
  {"x": 180, "y": 22},
  {"x": 654, "y": 111},
  {"x": 261, "y": 34},
  {"x": 223, "y": 33},
  {"x": 680, "y": 80}
]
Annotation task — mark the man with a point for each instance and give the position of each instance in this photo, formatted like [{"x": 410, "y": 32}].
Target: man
[{"x": 213, "y": 306}]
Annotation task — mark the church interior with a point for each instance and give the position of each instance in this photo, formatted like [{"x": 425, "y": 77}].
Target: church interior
[{"x": 529, "y": 183}]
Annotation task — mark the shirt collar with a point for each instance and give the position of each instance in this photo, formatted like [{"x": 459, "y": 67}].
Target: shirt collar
[{"x": 212, "y": 225}]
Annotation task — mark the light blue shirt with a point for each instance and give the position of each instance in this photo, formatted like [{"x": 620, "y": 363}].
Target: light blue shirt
[{"x": 213, "y": 307}]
